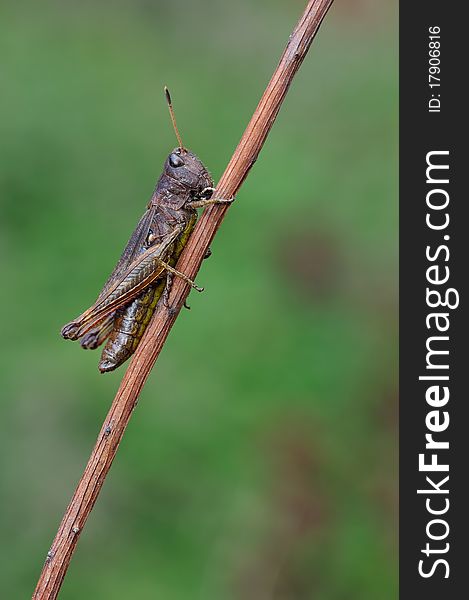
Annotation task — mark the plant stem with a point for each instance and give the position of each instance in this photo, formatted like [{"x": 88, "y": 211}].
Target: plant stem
[{"x": 245, "y": 155}]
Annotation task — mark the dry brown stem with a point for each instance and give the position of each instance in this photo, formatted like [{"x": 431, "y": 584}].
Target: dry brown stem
[{"x": 86, "y": 493}]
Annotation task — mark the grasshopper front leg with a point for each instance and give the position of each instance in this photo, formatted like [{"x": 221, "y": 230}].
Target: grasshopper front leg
[{"x": 207, "y": 200}]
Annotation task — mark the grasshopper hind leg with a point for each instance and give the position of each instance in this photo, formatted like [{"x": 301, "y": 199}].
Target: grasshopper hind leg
[
  {"x": 207, "y": 254},
  {"x": 166, "y": 292},
  {"x": 96, "y": 336},
  {"x": 167, "y": 289}
]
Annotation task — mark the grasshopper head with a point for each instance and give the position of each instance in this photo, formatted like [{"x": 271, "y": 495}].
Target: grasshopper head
[
  {"x": 187, "y": 171},
  {"x": 184, "y": 176}
]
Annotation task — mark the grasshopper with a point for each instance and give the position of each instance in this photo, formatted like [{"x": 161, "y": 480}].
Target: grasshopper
[{"x": 145, "y": 270}]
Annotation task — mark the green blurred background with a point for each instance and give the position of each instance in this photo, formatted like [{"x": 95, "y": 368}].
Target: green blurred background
[{"x": 261, "y": 460}]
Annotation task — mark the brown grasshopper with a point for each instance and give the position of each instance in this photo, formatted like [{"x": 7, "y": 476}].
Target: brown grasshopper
[{"x": 145, "y": 270}]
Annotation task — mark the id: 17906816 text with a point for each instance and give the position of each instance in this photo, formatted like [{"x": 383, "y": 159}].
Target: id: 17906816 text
[{"x": 434, "y": 69}]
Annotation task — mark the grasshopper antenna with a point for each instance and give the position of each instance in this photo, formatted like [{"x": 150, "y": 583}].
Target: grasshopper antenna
[{"x": 173, "y": 118}]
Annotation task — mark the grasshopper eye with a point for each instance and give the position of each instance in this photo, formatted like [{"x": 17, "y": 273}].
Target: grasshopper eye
[{"x": 175, "y": 160}]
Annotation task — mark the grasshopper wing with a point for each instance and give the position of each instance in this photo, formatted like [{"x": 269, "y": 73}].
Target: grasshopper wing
[{"x": 133, "y": 248}]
